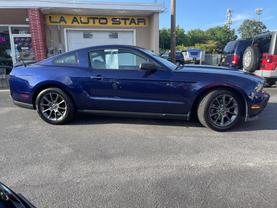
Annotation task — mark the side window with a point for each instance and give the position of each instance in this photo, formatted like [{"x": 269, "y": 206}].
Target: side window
[
  {"x": 116, "y": 59},
  {"x": 70, "y": 59}
]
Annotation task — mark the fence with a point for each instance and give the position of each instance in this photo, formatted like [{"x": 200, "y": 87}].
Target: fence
[{"x": 212, "y": 59}]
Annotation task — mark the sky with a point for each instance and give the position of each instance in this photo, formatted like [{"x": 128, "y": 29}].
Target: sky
[{"x": 203, "y": 14}]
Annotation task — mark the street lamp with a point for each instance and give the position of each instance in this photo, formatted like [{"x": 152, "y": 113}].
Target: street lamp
[{"x": 259, "y": 12}]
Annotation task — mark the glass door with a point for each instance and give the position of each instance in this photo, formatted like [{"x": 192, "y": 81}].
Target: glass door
[
  {"x": 23, "y": 49},
  {"x": 21, "y": 44},
  {"x": 6, "y": 62}
]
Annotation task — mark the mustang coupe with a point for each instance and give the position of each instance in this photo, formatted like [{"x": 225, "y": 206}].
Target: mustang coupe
[{"x": 118, "y": 79}]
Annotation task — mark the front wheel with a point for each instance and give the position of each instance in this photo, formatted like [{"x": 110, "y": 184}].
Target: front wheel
[
  {"x": 54, "y": 106},
  {"x": 220, "y": 110}
]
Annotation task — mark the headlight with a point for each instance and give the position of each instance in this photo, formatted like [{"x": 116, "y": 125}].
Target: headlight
[{"x": 259, "y": 87}]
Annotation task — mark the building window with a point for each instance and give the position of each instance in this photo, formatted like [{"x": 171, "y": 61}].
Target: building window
[
  {"x": 5, "y": 48},
  {"x": 113, "y": 35},
  {"x": 87, "y": 35},
  {"x": 20, "y": 30}
]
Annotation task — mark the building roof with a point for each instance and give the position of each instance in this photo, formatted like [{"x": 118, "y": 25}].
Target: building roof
[{"x": 82, "y": 4}]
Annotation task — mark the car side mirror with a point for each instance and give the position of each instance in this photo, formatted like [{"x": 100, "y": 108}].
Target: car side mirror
[
  {"x": 148, "y": 66},
  {"x": 8, "y": 198}
]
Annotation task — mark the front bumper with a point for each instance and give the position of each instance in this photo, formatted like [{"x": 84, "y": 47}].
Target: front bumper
[{"x": 258, "y": 104}]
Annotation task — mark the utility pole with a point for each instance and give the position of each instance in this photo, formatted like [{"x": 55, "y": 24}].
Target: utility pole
[{"x": 173, "y": 31}]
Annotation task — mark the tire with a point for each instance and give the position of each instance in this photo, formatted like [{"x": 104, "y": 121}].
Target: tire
[
  {"x": 54, "y": 106},
  {"x": 251, "y": 59},
  {"x": 211, "y": 110}
]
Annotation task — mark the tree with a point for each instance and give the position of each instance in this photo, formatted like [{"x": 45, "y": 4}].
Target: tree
[
  {"x": 222, "y": 35},
  {"x": 210, "y": 47},
  {"x": 197, "y": 36},
  {"x": 250, "y": 28},
  {"x": 181, "y": 37},
  {"x": 165, "y": 39}
]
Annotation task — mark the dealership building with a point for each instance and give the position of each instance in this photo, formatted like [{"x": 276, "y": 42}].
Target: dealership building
[{"x": 33, "y": 30}]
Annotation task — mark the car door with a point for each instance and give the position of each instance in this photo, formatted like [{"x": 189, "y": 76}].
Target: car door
[
  {"x": 136, "y": 90},
  {"x": 98, "y": 84}
]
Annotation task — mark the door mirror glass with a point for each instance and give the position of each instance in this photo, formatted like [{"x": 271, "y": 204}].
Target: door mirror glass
[{"x": 148, "y": 66}]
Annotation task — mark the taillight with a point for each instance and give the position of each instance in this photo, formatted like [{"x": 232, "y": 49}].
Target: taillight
[
  {"x": 268, "y": 58},
  {"x": 235, "y": 59}
]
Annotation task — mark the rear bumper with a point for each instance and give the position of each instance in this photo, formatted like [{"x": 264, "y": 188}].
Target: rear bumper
[
  {"x": 23, "y": 105},
  {"x": 267, "y": 73},
  {"x": 258, "y": 104}
]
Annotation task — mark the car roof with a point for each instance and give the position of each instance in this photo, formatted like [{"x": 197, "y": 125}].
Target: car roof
[
  {"x": 266, "y": 33},
  {"x": 108, "y": 46}
]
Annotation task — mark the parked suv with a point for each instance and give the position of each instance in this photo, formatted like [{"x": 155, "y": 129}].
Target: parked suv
[
  {"x": 179, "y": 57},
  {"x": 261, "y": 57},
  {"x": 233, "y": 53}
]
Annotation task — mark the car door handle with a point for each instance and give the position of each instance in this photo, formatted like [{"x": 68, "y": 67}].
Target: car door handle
[{"x": 97, "y": 77}]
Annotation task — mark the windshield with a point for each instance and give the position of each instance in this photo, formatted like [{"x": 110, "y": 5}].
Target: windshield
[{"x": 165, "y": 62}]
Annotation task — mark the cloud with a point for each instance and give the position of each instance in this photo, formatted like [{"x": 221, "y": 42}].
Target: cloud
[
  {"x": 237, "y": 19},
  {"x": 241, "y": 17}
]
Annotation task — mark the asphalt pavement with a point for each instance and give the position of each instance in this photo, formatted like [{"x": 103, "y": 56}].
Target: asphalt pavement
[{"x": 127, "y": 162}]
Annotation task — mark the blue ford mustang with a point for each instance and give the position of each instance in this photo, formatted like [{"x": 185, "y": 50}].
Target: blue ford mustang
[{"x": 118, "y": 79}]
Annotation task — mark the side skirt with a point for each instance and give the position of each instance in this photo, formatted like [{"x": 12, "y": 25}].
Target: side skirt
[{"x": 137, "y": 114}]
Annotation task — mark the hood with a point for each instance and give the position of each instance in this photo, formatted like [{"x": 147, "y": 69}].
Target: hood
[{"x": 220, "y": 71}]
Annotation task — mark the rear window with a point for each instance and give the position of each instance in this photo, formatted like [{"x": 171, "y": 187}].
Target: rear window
[
  {"x": 230, "y": 47},
  {"x": 68, "y": 59},
  {"x": 263, "y": 43}
]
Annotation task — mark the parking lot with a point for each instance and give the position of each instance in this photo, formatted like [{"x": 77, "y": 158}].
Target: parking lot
[{"x": 126, "y": 162}]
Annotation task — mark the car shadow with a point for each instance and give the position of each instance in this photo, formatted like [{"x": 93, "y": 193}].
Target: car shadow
[
  {"x": 86, "y": 119},
  {"x": 266, "y": 121}
]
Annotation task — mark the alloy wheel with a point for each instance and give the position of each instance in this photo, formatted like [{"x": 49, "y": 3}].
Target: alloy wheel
[
  {"x": 53, "y": 106},
  {"x": 223, "y": 110}
]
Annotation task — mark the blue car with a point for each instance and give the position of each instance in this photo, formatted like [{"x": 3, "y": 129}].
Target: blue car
[{"x": 118, "y": 79}]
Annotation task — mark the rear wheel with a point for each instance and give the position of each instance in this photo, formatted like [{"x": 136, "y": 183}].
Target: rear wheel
[
  {"x": 54, "y": 106},
  {"x": 220, "y": 110}
]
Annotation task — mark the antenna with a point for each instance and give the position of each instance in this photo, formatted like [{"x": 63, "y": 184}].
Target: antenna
[{"x": 229, "y": 16}]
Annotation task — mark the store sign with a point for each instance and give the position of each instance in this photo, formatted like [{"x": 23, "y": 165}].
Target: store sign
[
  {"x": 99, "y": 21},
  {"x": 3, "y": 39}
]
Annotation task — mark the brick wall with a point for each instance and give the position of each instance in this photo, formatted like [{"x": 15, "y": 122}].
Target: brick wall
[{"x": 37, "y": 29}]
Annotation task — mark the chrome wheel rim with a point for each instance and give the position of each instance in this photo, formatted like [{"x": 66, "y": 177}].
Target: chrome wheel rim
[
  {"x": 247, "y": 58},
  {"x": 223, "y": 110},
  {"x": 53, "y": 106}
]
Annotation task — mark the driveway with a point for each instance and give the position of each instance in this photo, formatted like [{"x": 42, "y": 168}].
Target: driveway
[{"x": 123, "y": 162}]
